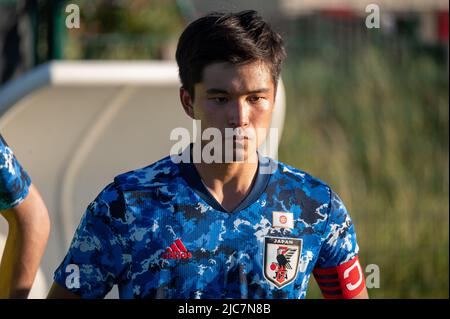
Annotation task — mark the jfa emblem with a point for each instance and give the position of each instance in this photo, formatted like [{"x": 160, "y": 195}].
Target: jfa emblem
[{"x": 281, "y": 259}]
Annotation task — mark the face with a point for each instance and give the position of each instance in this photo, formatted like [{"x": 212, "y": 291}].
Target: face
[{"x": 238, "y": 97}]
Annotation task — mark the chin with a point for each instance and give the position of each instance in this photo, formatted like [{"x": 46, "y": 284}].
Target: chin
[
  {"x": 245, "y": 154},
  {"x": 240, "y": 152}
]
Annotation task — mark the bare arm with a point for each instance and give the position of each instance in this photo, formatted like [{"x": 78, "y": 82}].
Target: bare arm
[
  {"x": 29, "y": 227},
  {"x": 362, "y": 295}
]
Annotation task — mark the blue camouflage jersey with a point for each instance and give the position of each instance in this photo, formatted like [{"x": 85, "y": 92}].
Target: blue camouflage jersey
[
  {"x": 14, "y": 181},
  {"x": 157, "y": 232}
]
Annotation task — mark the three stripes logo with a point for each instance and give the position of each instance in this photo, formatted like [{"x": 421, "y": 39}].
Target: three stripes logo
[{"x": 177, "y": 251}]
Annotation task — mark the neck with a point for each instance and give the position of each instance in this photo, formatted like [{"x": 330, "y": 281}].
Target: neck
[
  {"x": 229, "y": 183},
  {"x": 225, "y": 173}
]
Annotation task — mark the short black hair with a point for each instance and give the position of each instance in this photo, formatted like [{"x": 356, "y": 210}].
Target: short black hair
[{"x": 237, "y": 38}]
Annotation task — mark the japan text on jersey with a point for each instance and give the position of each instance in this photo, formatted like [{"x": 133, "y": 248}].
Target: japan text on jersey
[
  {"x": 14, "y": 181},
  {"x": 157, "y": 233}
]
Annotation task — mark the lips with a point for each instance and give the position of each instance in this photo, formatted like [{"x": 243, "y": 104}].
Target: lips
[{"x": 238, "y": 138}]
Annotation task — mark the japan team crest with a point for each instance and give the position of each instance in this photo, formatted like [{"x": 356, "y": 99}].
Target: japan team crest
[{"x": 281, "y": 259}]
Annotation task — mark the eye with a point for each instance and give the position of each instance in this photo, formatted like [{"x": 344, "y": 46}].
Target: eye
[
  {"x": 219, "y": 99},
  {"x": 255, "y": 99}
]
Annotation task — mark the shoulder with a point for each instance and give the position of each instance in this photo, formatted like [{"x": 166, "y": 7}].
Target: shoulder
[
  {"x": 2, "y": 142},
  {"x": 124, "y": 197},
  {"x": 109, "y": 203},
  {"x": 296, "y": 178},
  {"x": 5, "y": 153},
  {"x": 297, "y": 189},
  {"x": 14, "y": 180},
  {"x": 155, "y": 175}
]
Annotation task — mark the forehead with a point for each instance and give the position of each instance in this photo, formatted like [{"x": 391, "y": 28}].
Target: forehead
[{"x": 237, "y": 78}]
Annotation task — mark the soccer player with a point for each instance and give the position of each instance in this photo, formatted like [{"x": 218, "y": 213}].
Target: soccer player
[
  {"x": 28, "y": 227},
  {"x": 244, "y": 226}
]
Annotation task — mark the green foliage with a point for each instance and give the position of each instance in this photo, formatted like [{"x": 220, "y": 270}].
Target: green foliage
[
  {"x": 376, "y": 131},
  {"x": 124, "y": 30}
]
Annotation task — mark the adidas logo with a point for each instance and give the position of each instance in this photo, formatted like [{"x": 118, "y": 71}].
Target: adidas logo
[{"x": 177, "y": 251}]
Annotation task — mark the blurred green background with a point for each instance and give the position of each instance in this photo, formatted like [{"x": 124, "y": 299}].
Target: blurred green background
[
  {"x": 377, "y": 132},
  {"x": 367, "y": 112}
]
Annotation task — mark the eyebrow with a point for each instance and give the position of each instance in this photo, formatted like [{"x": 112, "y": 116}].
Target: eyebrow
[{"x": 222, "y": 91}]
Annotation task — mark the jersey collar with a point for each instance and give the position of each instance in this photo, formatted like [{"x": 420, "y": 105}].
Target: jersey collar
[{"x": 193, "y": 179}]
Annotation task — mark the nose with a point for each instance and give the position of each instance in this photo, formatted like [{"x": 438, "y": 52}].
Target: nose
[{"x": 239, "y": 114}]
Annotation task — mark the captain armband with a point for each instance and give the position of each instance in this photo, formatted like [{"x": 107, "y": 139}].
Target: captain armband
[{"x": 343, "y": 281}]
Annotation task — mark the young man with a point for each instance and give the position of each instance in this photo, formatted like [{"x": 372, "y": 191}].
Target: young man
[
  {"x": 226, "y": 228},
  {"x": 29, "y": 227}
]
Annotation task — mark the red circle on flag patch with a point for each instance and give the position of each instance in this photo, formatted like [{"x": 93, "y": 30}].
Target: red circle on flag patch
[{"x": 283, "y": 219}]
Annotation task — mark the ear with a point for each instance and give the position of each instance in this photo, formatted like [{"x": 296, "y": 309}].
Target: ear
[{"x": 187, "y": 102}]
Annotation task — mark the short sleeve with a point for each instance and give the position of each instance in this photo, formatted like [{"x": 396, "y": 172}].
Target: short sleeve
[
  {"x": 14, "y": 181},
  {"x": 339, "y": 245},
  {"x": 97, "y": 255}
]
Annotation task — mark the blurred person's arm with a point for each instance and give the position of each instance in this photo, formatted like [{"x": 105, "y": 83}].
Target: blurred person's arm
[{"x": 28, "y": 231}]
